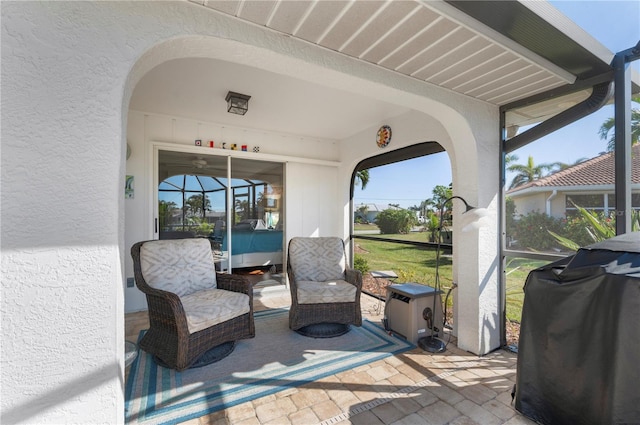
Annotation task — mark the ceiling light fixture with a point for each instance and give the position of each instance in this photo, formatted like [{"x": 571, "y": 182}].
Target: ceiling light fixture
[{"x": 237, "y": 103}]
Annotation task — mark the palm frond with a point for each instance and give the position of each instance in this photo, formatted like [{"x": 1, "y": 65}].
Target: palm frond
[
  {"x": 603, "y": 231},
  {"x": 567, "y": 243}
]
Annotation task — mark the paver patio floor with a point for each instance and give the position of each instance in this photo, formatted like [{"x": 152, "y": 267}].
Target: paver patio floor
[{"x": 414, "y": 387}]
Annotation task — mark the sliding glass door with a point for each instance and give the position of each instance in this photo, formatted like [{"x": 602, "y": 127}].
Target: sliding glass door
[{"x": 257, "y": 226}]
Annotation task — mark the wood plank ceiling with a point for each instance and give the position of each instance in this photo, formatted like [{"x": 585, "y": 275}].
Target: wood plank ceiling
[{"x": 426, "y": 40}]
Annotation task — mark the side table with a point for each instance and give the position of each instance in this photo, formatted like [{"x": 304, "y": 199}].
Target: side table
[{"x": 384, "y": 274}]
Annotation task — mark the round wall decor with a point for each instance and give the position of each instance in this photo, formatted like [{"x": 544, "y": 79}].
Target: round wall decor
[{"x": 384, "y": 136}]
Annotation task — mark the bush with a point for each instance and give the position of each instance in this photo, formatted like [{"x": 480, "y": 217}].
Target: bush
[
  {"x": 360, "y": 263},
  {"x": 532, "y": 231},
  {"x": 396, "y": 221},
  {"x": 577, "y": 229},
  {"x": 591, "y": 226}
]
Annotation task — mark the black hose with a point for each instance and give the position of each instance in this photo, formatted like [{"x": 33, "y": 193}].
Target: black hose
[{"x": 446, "y": 298}]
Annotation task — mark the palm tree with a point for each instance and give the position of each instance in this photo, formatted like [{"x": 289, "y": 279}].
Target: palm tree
[
  {"x": 196, "y": 205},
  {"x": 528, "y": 172},
  {"x": 165, "y": 210},
  {"x": 440, "y": 194},
  {"x": 362, "y": 177},
  {"x": 424, "y": 208},
  {"x": 362, "y": 211},
  {"x": 241, "y": 210},
  {"x": 606, "y": 129},
  {"x": 510, "y": 158}
]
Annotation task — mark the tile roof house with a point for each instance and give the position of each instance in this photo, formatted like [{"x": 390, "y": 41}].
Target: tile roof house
[{"x": 589, "y": 184}]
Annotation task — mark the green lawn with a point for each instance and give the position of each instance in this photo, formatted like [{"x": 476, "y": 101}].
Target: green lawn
[
  {"x": 414, "y": 264},
  {"x": 358, "y": 226},
  {"x": 517, "y": 270},
  {"x": 411, "y": 264}
]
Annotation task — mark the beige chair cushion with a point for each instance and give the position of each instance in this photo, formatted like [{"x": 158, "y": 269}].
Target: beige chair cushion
[
  {"x": 181, "y": 266},
  {"x": 317, "y": 259},
  {"x": 333, "y": 291},
  {"x": 209, "y": 307}
]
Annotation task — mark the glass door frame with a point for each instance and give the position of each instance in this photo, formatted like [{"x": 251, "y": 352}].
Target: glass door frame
[{"x": 154, "y": 182}]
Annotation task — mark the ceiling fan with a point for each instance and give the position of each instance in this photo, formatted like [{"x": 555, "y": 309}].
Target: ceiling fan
[{"x": 199, "y": 163}]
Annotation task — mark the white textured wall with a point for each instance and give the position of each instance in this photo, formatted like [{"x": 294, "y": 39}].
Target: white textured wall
[
  {"x": 68, "y": 69},
  {"x": 535, "y": 202},
  {"x": 311, "y": 201},
  {"x": 558, "y": 204},
  {"x": 62, "y": 131}
]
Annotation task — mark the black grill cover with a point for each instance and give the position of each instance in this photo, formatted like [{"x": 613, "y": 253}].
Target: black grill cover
[{"x": 579, "y": 348}]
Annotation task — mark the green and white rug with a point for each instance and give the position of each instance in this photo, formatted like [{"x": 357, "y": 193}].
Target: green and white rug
[{"x": 276, "y": 359}]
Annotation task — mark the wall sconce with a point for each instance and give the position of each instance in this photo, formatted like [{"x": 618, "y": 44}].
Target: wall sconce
[{"x": 237, "y": 103}]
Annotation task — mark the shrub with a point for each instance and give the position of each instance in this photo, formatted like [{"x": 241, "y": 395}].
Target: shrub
[
  {"x": 590, "y": 227},
  {"x": 577, "y": 230},
  {"x": 360, "y": 263},
  {"x": 432, "y": 224},
  {"x": 396, "y": 221},
  {"x": 532, "y": 231}
]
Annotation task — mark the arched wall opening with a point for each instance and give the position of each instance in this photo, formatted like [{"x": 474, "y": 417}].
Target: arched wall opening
[
  {"x": 395, "y": 228},
  {"x": 465, "y": 125}
]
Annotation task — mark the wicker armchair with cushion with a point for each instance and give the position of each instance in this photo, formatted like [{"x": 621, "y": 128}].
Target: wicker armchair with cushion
[
  {"x": 195, "y": 314},
  {"x": 323, "y": 290}
]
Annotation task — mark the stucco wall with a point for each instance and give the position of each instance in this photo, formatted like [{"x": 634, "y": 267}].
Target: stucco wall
[
  {"x": 535, "y": 202},
  {"x": 63, "y": 80},
  {"x": 68, "y": 70}
]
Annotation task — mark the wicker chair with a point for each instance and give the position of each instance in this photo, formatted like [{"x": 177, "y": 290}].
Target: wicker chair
[
  {"x": 192, "y": 309},
  {"x": 323, "y": 289}
]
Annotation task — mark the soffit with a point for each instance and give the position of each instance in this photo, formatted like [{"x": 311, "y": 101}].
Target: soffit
[
  {"x": 431, "y": 41},
  {"x": 541, "y": 28}
]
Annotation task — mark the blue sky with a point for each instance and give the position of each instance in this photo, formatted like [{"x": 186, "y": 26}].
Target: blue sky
[{"x": 615, "y": 24}]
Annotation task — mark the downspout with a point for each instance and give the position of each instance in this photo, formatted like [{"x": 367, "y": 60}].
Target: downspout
[
  {"x": 549, "y": 199},
  {"x": 599, "y": 97}
]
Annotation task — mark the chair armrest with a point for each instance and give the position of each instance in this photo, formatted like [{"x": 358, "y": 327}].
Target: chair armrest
[
  {"x": 293, "y": 286},
  {"x": 354, "y": 277},
  {"x": 165, "y": 307},
  {"x": 234, "y": 282}
]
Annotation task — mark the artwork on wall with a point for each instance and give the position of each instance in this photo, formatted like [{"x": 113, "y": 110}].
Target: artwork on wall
[
  {"x": 128, "y": 187},
  {"x": 383, "y": 138}
]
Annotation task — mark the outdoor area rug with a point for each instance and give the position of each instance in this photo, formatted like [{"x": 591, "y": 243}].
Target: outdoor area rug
[{"x": 276, "y": 359}]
